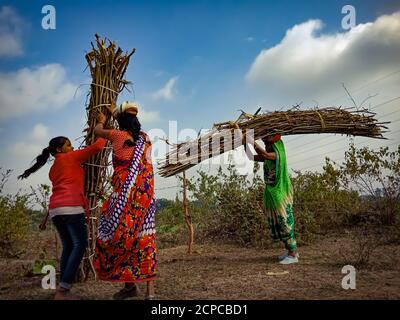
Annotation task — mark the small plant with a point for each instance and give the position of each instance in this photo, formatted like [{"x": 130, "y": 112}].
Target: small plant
[{"x": 362, "y": 245}]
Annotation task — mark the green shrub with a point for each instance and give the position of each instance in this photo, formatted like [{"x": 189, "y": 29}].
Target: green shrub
[{"x": 14, "y": 220}]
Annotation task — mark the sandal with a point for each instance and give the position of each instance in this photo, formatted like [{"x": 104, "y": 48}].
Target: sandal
[
  {"x": 65, "y": 294},
  {"x": 126, "y": 293}
]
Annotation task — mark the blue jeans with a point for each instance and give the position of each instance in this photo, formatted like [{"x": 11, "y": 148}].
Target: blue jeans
[{"x": 73, "y": 234}]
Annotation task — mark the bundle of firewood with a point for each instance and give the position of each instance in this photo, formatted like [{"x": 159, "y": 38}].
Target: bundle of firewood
[{"x": 348, "y": 121}]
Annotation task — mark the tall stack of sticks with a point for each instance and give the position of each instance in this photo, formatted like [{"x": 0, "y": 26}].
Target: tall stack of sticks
[
  {"x": 324, "y": 120},
  {"x": 107, "y": 64}
]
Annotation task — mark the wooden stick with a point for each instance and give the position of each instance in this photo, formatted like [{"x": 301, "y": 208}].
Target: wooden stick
[{"x": 188, "y": 218}]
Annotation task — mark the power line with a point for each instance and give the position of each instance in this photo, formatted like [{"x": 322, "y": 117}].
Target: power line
[
  {"x": 317, "y": 147},
  {"x": 165, "y": 188},
  {"x": 372, "y": 108},
  {"x": 342, "y": 158},
  {"x": 314, "y": 156},
  {"x": 368, "y": 84},
  {"x": 390, "y": 113},
  {"x": 336, "y": 150},
  {"x": 322, "y": 139},
  {"x": 392, "y": 133},
  {"x": 383, "y": 103},
  {"x": 319, "y": 164}
]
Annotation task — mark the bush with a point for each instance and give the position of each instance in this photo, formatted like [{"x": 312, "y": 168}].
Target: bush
[
  {"x": 375, "y": 174},
  {"x": 14, "y": 220},
  {"x": 170, "y": 223},
  {"x": 320, "y": 205},
  {"x": 229, "y": 207}
]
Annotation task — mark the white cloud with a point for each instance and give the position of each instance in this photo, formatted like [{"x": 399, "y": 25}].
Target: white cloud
[
  {"x": 40, "y": 133},
  {"x": 21, "y": 155},
  {"x": 35, "y": 142},
  {"x": 34, "y": 90},
  {"x": 249, "y": 39},
  {"x": 11, "y": 26},
  {"x": 148, "y": 116},
  {"x": 26, "y": 149},
  {"x": 308, "y": 64},
  {"x": 168, "y": 91},
  {"x": 159, "y": 73}
]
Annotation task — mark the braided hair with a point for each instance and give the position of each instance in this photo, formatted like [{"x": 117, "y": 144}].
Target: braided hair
[{"x": 41, "y": 159}]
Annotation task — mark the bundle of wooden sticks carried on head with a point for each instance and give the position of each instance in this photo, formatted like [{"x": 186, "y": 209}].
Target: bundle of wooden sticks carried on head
[{"x": 335, "y": 120}]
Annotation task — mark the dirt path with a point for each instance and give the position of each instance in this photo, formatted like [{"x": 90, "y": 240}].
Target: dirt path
[{"x": 218, "y": 271}]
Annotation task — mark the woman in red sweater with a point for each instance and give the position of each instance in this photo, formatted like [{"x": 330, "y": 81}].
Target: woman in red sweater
[{"x": 68, "y": 204}]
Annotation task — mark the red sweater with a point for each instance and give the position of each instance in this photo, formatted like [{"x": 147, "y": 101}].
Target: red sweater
[{"x": 68, "y": 177}]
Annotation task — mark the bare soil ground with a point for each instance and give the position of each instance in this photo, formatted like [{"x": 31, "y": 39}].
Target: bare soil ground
[{"x": 225, "y": 271}]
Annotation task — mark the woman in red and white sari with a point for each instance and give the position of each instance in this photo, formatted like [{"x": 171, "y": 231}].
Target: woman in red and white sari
[{"x": 126, "y": 243}]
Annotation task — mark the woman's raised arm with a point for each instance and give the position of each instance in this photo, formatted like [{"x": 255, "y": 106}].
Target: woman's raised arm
[{"x": 99, "y": 128}]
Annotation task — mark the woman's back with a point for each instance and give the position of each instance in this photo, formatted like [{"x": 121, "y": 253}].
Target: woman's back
[{"x": 121, "y": 151}]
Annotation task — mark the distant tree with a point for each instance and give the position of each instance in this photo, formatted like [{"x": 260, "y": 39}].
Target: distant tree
[
  {"x": 368, "y": 171},
  {"x": 163, "y": 203}
]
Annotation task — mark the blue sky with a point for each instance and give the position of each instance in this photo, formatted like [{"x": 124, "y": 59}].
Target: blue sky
[{"x": 195, "y": 63}]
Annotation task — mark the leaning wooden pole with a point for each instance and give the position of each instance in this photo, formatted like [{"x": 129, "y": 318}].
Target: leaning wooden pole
[
  {"x": 107, "y": 64},
  {"x": 188, "y": 217}
]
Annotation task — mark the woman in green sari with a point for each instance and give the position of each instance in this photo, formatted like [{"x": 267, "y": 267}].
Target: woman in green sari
[{"x": 278, "y": 193}]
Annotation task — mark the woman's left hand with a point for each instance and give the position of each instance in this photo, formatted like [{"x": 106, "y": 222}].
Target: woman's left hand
[{"x": 101, "y": 117}]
